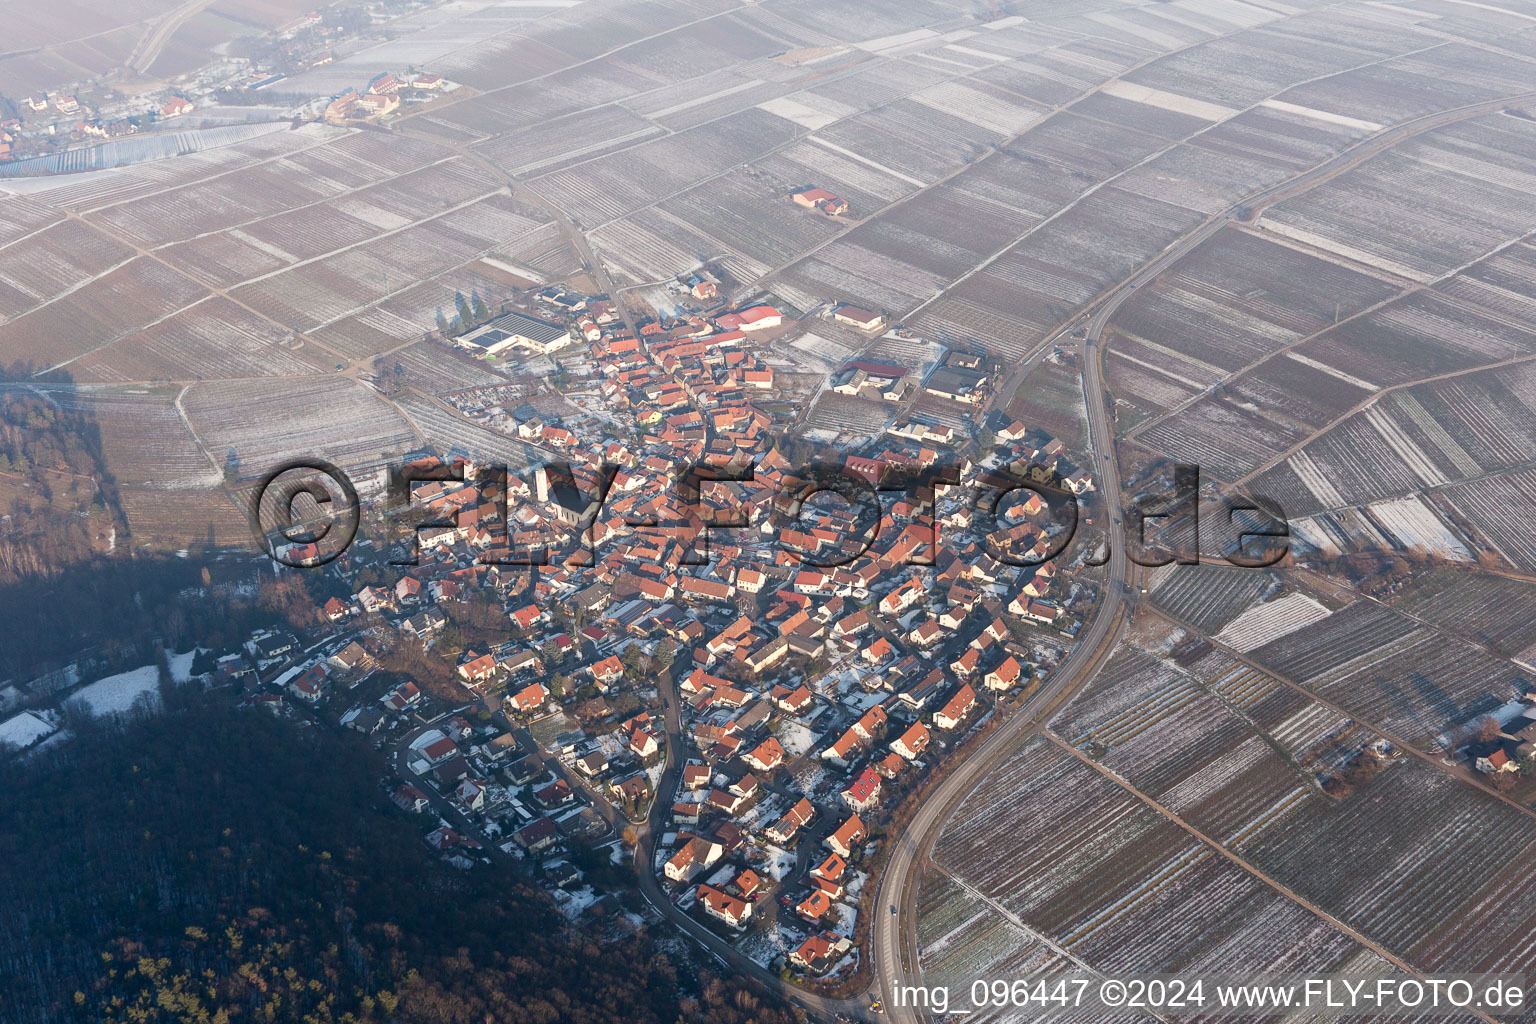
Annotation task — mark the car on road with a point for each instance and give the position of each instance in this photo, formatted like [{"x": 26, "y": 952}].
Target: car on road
[{"x": 893, "y": 910}]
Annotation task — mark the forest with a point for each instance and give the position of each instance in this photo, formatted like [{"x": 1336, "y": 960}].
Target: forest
[
  {"x": 211, "y": 863},
  {"x": 58, "y": 503}
]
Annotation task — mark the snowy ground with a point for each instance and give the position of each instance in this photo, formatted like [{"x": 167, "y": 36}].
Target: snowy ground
[
  {"x": 780, "y": 862},
  {"x": 796, "y": 739},
  {"x": 116, "y": 694},
  {"x": 24, "y": 729}
]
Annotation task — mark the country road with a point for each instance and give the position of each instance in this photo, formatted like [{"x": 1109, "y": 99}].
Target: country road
[
  {"x": 893, "y": 933},
  {"x": 145, "y": 54}
]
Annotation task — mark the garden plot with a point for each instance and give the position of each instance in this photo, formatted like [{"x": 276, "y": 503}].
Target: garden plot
[
  {"x": 52, "y": 262},
  {"x": 1490, "y": 610},
  {"x": 1209, "y": 596},
  {"x": 216, "y": 338},
  {"x": 266, "y": 422}
]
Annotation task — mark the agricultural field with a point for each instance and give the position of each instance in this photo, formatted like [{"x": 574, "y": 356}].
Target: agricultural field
[
  {"x": 40, "y": 267},
  {"x": 1119, "y": 885},
  {"x": 1208, "y": 596},
  {"x": 128, "y": 298},
  {"x": 1410, "y": 679},
  {"x": 1426, "y": 207},
  {"x": 1408, "y": 524},
  {"x": 1501, "y": 511},
  {"x": 447, "y": 428},
  {"x": 265, "y": 422},
  {"x": 212, "y": 339},
  {"x": 1425, "y": 437},
  {"x": 609, "y": 187},
  {"x": 961, "y": 939},
  {"x": 1488, "y": 609},
  {"x": 1098, "y": 861},
  {"x": 1051, "y": 398},
  {"x": 168, "y": 486}
]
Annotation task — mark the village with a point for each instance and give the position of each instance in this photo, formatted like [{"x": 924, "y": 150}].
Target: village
[
  {"x": 229, "y": 92},
  {"x": 736, "y": 714}
]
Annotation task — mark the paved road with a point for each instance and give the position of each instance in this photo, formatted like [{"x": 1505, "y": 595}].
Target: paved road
[
  {"x": 1103, "y": 630},
  {"x": 651, "y": 888},
  {"x": 890, "y": 931}
]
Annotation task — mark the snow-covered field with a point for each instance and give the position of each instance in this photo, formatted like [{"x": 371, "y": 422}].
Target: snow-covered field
[
  {"x": 1271, "y": 620},
  {"x": 116, "y": 694},
  {"x": 23, "y": 730}
]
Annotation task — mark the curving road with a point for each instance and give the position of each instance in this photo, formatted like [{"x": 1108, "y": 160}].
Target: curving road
[
  {"x": 889, "y": 949},
  {"x": 896, "y": 887}
]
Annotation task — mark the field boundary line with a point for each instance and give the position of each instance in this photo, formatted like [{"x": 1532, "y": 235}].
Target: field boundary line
[{"x": 1273, "y": 883}]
